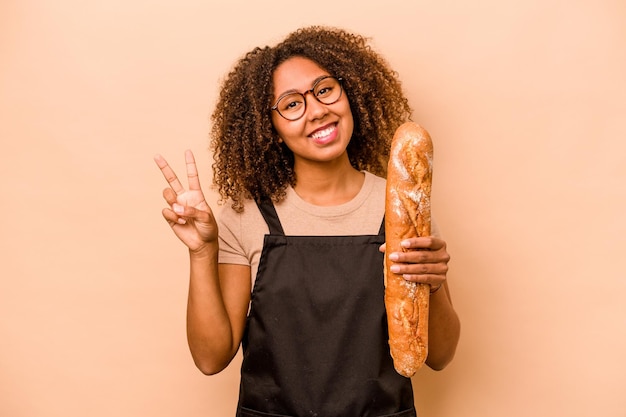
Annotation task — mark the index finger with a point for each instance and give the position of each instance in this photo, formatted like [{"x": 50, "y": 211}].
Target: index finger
[{"x": 169, "y": 174}]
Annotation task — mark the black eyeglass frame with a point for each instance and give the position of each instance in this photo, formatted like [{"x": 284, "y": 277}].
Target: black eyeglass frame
[{"x": 304, "y": 93}]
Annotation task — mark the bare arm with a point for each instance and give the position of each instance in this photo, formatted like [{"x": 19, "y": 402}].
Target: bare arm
[
  {"x": 216, "y": 311},
  {"x": 444, "y": 329},
  {"x": 218, "y": 294}
]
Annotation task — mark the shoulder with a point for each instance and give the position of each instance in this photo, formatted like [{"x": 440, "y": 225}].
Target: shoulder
[
  {"x": 376, "y": 188},
  {"x": 249, "y": 218},
  {"x": 375, "y": 179},
  {"x": 240, "y": 234}
]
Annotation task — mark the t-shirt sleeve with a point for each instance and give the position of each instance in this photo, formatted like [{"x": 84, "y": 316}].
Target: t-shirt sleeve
[{"x": 231, "y": 248}]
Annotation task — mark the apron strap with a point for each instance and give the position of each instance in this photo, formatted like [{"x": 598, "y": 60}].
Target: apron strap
[
  {"x": 271, "y": 217},
  {"x": 381, "y": 231}
]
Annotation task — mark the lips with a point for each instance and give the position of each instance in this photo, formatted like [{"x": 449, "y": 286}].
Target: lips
[{"x": 325, "y": 134}]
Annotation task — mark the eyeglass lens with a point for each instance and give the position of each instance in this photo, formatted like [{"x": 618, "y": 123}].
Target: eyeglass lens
[{"x": 292, "y": 106}]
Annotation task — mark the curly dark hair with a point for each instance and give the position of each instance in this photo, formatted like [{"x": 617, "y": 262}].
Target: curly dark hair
[{"x": 250, "y": 162}]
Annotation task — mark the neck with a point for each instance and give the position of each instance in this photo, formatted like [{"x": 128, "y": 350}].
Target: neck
[{"x": 329, "y": 184}]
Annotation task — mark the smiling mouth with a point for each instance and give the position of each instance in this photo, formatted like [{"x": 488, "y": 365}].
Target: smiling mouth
[{"x": 324, "y": 132}]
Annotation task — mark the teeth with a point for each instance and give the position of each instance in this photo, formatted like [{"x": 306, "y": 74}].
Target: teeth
[{"x": 322, "y": 133}]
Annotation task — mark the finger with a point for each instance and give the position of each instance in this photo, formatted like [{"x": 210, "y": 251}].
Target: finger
[
  {"x": 434, "y": 281},
  {"x": 169, "y": 174},
  {"x": 424, "y": 242},
  {"x": 169, "y": 195},
  {"x": 438, "y": 269},
  {"x": 415, "y": 257},
  {"x": 192, "y": 171},
  {"x": 426, "y": 257},
  {"x": 172, "y": 218},
  {"x": 382, "y": 248},
  {"x": 187, "y": 212}
]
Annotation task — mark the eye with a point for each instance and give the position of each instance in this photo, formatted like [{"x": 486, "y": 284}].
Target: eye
[
  {"x": 324, "y": 91},
  {"x": 290, "y": 103},
  {"x": 326, "y": 88}
]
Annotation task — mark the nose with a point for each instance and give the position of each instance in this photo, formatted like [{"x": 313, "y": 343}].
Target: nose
[{"x": 314, "y": 109}]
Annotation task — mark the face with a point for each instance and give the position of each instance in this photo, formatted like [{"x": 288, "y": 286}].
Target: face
[{"x": 323, "y": 133}]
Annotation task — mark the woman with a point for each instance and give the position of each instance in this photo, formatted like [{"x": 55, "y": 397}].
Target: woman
[{"x": 301, "y": 136}]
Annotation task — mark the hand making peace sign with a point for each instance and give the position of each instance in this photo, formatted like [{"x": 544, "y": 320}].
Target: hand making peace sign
[{"x": 188, "y": 213}]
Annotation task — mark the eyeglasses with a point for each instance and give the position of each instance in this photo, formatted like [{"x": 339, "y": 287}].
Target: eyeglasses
[{"x": 292, "y": 105}]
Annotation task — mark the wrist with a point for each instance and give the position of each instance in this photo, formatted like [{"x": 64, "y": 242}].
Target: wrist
[{"x": 206, "y": 251}]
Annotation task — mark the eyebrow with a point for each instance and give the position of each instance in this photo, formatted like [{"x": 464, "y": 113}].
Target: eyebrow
[{"x": 293, "y": 90}]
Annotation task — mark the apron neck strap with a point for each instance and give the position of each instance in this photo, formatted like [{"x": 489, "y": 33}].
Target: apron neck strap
[
  {"x": 381, "y": 231},
  {"x": 271, "y": 217}
]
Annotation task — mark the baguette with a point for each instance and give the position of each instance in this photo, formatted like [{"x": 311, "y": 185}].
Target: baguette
[{"x": 407, "y": 214}]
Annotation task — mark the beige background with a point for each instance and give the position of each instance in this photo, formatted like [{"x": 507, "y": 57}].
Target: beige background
[{"x": 525, "y": 101}]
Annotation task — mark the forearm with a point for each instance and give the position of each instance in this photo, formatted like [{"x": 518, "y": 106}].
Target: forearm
[
  {"x": 209, "y": 327},
  {"x": 443, "y": 329}
]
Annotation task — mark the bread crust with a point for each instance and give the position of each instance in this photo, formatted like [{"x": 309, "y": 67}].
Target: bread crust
[{"x": 407, "y": 214}]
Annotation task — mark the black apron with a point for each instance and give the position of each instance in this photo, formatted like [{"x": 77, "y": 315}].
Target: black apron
[{"x": 316, "y": 336}]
